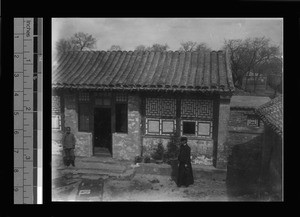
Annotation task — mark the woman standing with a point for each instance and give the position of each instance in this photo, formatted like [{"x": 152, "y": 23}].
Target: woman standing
[{"x": 185, "y": 171}]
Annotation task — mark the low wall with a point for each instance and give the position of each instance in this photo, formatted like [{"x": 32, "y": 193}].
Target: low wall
[{"x": 201, "y": 150}]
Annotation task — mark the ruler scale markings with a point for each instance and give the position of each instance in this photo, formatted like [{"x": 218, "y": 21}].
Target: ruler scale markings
[{"x": 27, "y": 92}]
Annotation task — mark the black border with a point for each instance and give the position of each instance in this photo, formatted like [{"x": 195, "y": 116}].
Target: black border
[{"x": 290, "y": 11}]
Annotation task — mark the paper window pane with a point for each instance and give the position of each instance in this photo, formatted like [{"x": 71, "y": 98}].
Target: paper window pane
[
  {"x": 167, "y": 126},
  {"x": 153, "y": 126},
  {"x": 203, "y": 129},
  {"x": 55, "y": 122}
]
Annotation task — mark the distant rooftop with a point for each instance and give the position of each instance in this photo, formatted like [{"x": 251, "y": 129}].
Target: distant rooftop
[
  {"x": 248, "y": 101},
  {"x": 272, "y": 114}
]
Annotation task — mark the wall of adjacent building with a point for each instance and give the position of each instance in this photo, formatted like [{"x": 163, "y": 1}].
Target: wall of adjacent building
[{"x": 238, "y": 131}]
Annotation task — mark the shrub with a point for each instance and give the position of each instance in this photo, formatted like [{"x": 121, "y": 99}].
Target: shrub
[
  {"x": 172, "y": 148},
  {"x": 138, "y": 159},
  {"x": 158, "y": 154},
  {"x": 146, "y": 159}
]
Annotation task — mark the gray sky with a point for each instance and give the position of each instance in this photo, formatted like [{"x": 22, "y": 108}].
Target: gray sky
[{"x": 131, "y": 32}]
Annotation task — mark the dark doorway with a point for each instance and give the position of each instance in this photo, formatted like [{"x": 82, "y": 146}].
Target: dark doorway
[{"x": 102, "y": 132}]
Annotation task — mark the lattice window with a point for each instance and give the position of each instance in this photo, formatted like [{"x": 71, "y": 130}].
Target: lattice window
[
  {"x": 102, "y": 98},
  {"x": 158, "y": 107},
  {"x": 168, "y": 107},
  {"x": 121, "y": 97},
  {"x": 84, "y": 97},
  {"x": 252, "y": 121},
  {"x": 193, "y": 108}
]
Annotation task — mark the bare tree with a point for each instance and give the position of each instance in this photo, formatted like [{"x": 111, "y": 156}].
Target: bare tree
[
  {"x": 188, "y": 46},
  {"x": 78, "y": 42},
  {"x": 202, "y": 47},
  {"x": 141, "y": 48},
  {"x": 193, "y": 46},
  {"x": 159, "y": 47},
  {"x": 83, "y": 41},
  {"x": 115, "y": 48},
  {"x": 64, "y": 45},
  {"x": 154, "y": 47},
  {"x": 274, "y": 74},
  {"x": 247, "y": 54}
]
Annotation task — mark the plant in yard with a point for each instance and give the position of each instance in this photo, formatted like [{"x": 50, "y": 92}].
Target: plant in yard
[
  {"x": 146, "y": 159},
  {"x": 138, "y": 159},
  {"x": 158, "y": 153},
  {"x": 172, "y": 148}
]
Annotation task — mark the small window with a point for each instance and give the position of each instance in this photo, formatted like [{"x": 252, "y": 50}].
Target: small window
[
  {"x": 56, "y": 123},
  {"x": 188, "y": 128},
  {"x": 252, "y": 121},
  {"x": 121, "y": 118},
  {"x": 84, "y": 117}
]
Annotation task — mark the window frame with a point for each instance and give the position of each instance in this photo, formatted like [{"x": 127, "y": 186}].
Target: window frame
[
  {"x": 126, "y": 124},
  {"x": 190, "y": 121},
  {"x": 58, "y": 117},
  {"x": 253, "y": 116},
  {"x": 89, "y": 116},
  {"x": 178, "y": 119}
]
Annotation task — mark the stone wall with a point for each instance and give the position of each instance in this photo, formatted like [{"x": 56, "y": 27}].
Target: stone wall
[
  {"x": 222, "y": 150},
  {"x": 201, "y": 150},
  {"x": 239, "y": 132},
  {"x": 128, "y": 145},
  {"x": 56, "y": 142},
  {"x": 83, "y": 139},
  {"x": 272, "y": 162}
]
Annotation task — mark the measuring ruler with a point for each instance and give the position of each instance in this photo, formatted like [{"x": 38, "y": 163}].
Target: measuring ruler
[{"x": 28, "y": 110}]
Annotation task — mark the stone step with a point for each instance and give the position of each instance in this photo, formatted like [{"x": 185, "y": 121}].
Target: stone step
[
  {"x": 100, "y": 166},
  {"x": 126, "y": 174}
]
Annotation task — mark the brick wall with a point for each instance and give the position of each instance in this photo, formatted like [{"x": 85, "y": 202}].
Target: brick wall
[
  {"x": 238, "y": 130},
  {"x": 222, "y": 150}
]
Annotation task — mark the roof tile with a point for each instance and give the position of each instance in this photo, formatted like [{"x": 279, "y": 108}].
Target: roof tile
[
  {"x": 271, "y": 114},
  {"x": 145, "y": 70}
]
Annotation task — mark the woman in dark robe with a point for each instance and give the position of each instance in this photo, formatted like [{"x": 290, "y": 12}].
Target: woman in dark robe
[{"x": 185, "y": 171}]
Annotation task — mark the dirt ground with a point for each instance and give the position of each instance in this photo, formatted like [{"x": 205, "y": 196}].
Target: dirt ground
[
  {"x": 162, "y": 188},
  {"x": 142, "y": 187}
]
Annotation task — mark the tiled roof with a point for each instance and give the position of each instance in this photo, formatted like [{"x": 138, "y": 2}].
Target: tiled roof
[
  {"x": 271, "y": 114},
  {"x": 248, "y": 101},
  {"x": 171, "y": 70}
]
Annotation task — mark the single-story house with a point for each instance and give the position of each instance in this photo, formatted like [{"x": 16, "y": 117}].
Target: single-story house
[
  {"x": 128, "y": 102},
  {"x": 271, "y": 114},
  {"x": 244, "y": 123}
]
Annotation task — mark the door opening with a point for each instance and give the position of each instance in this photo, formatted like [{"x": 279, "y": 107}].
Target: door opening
[{"x": 102, "y": 132}]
